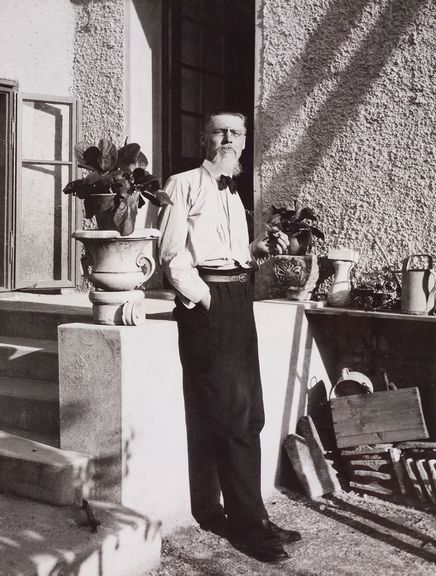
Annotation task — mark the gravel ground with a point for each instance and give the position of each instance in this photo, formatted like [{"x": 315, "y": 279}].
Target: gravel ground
[{"x": 342, "y": 534}]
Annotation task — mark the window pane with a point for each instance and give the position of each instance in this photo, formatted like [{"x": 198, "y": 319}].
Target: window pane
[
  {"x": 193, "y": 8},
  {"x": 191, "y": 44},
  {"x": 3, "y": 182},
  {"x": 191, "y": 130},
  {"x": 45, "y": 223},
  {"x": 213, "y": 50},
  {"x": 213, "y": 93},
  {"x": 213, "y": 11},
  {"x": 46, "y": 131},
  {"x": 191, "y": 90}
]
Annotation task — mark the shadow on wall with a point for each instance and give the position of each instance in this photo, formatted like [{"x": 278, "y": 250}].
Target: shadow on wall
[
  {"x": 301, "y": 397},
  {"x": 109, "y": 465},
  {"x": 352, "y": 85}
]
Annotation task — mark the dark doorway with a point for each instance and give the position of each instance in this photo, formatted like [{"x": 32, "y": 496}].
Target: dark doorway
[{"x": 208, "y": 66}]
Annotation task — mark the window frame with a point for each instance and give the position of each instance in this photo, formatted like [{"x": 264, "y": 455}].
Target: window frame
[
  {"x": 10, "y": 88},
  {"x": 75, "y": 212}
]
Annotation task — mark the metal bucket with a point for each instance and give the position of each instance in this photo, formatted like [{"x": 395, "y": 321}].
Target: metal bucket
[{"x": 351, "y": 383}]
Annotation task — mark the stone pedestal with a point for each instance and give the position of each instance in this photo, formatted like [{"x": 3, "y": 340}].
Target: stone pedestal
[
  {"x": 121, "y": 400},
  {"x": 116, "y": 265}
]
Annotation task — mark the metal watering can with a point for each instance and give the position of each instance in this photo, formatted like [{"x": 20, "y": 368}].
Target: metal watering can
[{"x": 418, "y": 287}]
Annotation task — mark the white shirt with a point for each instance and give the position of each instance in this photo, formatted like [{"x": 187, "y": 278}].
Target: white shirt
[{"x": 204, "y": 227}]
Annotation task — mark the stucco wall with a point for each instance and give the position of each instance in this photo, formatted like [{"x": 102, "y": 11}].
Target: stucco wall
[
  {"x": 99, "y": 67},
  {"x": 346, "y": 118},
  {"x": 36, "y": 45}
]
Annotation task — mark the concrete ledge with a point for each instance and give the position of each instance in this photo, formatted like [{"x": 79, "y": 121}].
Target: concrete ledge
[
  {"x": 43, "y": 473},
  {"x": 121, "y": 400},
  {"x": 38, "y": 539}
]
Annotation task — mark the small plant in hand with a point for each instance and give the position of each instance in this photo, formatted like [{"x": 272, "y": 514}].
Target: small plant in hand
[
  {"x": 298, "y": 225},
  {"x": 121, "y": 176}
]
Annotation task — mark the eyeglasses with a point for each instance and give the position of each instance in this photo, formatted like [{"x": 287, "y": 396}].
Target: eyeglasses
[{"x": 224, "y": 131}]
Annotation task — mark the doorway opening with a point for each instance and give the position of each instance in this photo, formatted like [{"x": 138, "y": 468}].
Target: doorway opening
[{"x": 208, "y": 51}]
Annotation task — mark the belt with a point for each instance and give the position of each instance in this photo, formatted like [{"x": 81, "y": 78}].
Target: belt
[{"x": 243, "y": 277}]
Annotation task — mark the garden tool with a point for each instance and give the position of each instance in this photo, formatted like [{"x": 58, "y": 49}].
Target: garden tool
[{"x": 389, "y": 385}]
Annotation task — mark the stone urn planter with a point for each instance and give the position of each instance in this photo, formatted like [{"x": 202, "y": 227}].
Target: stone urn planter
[{"x": 117, "y": 266}]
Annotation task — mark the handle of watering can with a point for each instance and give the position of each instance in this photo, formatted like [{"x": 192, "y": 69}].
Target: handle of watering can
[{"x": 407, "y": 260}]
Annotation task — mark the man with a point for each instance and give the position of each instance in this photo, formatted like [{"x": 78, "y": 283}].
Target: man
[{"x": 205, "y": 254}]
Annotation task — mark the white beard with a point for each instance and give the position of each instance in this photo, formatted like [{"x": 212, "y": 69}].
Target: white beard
[{"x": 227, "y": 163}]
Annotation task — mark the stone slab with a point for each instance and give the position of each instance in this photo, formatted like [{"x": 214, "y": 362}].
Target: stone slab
[
  {"x": 28, "y": 358},
  {"x": 300, "y": 456},
  {"x": 121, "y": 400},
  {"x": 326, "y": 473},
  {"x": 39, "y": 539},
  {"x": 43, "y": 473}
]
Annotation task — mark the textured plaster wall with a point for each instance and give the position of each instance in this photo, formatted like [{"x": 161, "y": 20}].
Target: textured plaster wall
[
  {"x": 346, "y": 109},
  {"x": 100, "y": 67},
  {"x": 36, "y": 45}
]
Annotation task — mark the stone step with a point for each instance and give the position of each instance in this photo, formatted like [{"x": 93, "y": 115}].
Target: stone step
[
  {"x": 42, "y": 472},
  {"x": 27, "y": 404},
  {"x": 40, "y": 539},
  {"x": 43, "y": 437},
  {"x": 28, "y": 358},
  {"x": 38, "y": 319}
]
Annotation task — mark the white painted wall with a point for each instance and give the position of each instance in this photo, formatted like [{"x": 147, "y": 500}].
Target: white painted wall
[{"x": 36, "y": 45}]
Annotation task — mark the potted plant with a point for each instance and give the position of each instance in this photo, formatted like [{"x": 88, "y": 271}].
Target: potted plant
[
  {"x": 117, "y": 184},
  {"x": 117, "y": 257},
  {"x": 293, "y": 275}
]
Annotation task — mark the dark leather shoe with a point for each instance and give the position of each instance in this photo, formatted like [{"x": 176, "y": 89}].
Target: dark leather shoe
[
  {"x": 259, "y": 542},
  {"x": 285, "y": 536},
  {"x": 216, "y": 523}
]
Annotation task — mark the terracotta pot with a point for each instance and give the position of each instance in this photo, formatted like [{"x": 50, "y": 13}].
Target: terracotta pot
[
  {"x": 299, "y": 274},
  {"x": 117, "y": 263}
]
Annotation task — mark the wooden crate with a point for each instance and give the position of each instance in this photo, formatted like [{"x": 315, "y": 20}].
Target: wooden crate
[{"x": 389, "y": 416}]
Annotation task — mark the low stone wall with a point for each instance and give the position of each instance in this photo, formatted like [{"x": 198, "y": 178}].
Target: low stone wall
[{"x": 121, "y": 400}]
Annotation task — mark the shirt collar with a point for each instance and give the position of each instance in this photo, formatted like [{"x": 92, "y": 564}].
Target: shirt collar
[{"x": 211, "y": 168}]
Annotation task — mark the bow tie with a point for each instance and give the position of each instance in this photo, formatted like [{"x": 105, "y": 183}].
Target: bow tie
[{"x": 226, "y": 181}]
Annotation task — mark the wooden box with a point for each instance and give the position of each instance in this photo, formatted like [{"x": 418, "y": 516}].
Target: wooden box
[{"x": 390, "y": 416}]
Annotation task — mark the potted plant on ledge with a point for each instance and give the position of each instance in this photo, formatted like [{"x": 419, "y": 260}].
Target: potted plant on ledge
[
  {"x": 293, "y": 275},
  {"x": 116, "y": 258}
]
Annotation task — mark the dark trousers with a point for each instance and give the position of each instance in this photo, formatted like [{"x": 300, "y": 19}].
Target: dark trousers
[{"x": 223, "y": 403}]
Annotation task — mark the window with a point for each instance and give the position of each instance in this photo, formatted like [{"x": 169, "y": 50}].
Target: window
[
  {"x": 36, "y": 218},
  {"x": 7, "y": 179}
]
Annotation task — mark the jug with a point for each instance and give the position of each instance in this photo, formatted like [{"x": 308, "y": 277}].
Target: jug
[{"x": 418, "y": 287}]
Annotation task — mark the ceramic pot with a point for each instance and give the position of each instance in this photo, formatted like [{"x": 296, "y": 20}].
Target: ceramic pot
[
  {"x": 299, "y": 274},
  {"x": 117, "y": 263},
  {"x": 418, "y": 287}
]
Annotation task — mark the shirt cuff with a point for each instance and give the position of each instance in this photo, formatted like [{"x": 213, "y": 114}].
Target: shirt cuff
[{"x": 190, "y": 303}]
